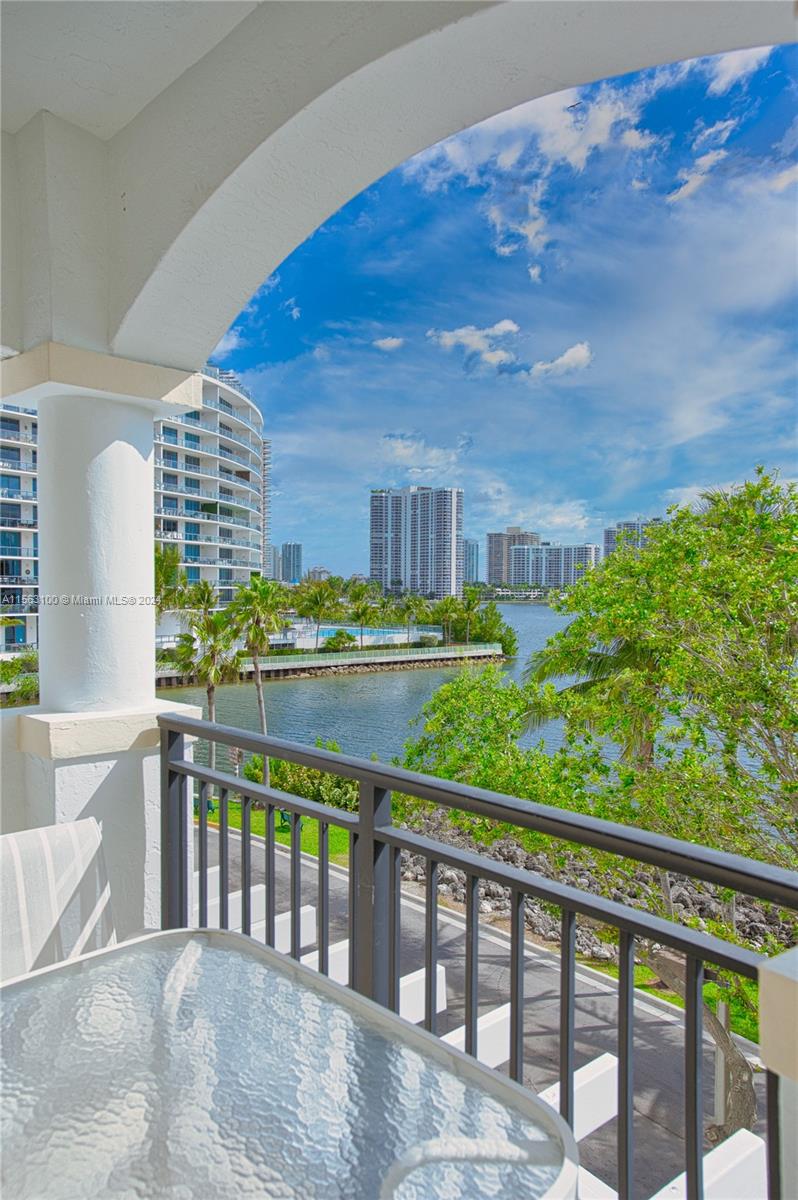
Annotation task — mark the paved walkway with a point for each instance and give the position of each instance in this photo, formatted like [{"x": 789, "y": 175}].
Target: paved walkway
[{"x": 659, "y": 1035}]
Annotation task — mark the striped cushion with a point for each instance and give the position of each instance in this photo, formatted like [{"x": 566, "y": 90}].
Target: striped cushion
[{"x": 54, "y": 896}]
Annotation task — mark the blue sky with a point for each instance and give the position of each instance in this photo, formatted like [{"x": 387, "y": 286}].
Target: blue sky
[{"x": 578, "y": 311}]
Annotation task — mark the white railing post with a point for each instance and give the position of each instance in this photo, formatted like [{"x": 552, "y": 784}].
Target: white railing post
[{"x": 778, "y": 1048}]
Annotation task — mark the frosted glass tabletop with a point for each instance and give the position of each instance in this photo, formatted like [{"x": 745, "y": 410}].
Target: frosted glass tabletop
[{"x": 198, "y": 1065}]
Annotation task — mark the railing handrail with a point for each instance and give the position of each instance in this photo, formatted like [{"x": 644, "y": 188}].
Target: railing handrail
[{"x": 759, "y": 880}]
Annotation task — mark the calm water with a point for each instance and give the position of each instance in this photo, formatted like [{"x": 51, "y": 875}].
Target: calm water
[{"x": 365, "y": 714}]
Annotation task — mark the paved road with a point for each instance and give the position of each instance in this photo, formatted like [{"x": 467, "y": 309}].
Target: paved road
[{"x": 659, "y": 1036}]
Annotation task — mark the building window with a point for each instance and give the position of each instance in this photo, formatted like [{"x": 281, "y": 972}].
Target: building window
[
  {"x": 192, "y": 462},
  {"x": 169, "y": 435},
  {"x": 193, "y": 574},
  {"x": 169, "y": 481},
  {"x": 10, "y": 483},
  {"x": 9, "y": 424},
  {"x": 193, "y": 485},
  {"x": 192, "y": 439},
  {"x": 170, "y": 458}
]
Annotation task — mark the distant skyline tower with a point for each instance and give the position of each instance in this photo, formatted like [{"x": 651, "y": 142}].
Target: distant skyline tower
[
  {"x": 630, "y": 532},
  {"x": 470, "y": 560},
  {"x": 291, "y": 562},
  {"x": 416, "y": 540},
  {"x": 498, "y": 550}
]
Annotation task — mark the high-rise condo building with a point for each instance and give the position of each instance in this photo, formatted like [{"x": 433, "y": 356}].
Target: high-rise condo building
[
  {"x": 266, "y": 524},
  {"x": 273, "y": 563},
  {"x": 291, "y": 562},
  {"x": 19, "y": 539},
  {"x": 499, "y": 546},
  {"x": 416, "y": 540},
  {"x": 470, "y": 560},
  {"x": 209, "y": 485},
  {"x": 632, "y": 533},
  {"x": 211, "y": 470},
  {"x": 550, "y": 565}
]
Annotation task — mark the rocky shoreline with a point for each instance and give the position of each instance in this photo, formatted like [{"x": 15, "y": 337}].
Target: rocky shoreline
[{"x": 757, "y": 923}]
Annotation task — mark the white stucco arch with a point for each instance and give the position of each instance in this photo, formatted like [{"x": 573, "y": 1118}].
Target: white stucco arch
[{"x": 302, "y": 106}]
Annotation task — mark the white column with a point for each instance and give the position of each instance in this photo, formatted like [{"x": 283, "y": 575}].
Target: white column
[{"x": 96, "y": 553}]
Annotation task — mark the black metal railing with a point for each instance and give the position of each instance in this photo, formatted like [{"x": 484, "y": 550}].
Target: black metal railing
[{"x": 374, "y": 910}]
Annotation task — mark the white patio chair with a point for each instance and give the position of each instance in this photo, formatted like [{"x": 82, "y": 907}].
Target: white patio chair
[{"x": 54, "y": 896}]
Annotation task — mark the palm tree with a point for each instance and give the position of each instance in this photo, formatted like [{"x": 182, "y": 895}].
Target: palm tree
[
  {"x": 170, "y": 581},
  {"x": 362, "y": 613},
  {"x": 257, "y": 612},
  {"x": 411, "y": 609},
  {"x": 319, "y": 599},
  {"x": 613, "y": 670},
  {"x": 446, "y": 611},
  {"x": 201, "y": 597},
  {"x": 470, "y": 607},
  {"x": 208, "y": 652}
]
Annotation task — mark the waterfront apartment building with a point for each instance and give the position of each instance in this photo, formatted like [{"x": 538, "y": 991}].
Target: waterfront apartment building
[
  {"x": 208, "y": 500},
  {"x": 549, "y": 565},
  {"x": 499, "y": 546},
  {"x": 632, "y": 533},
  {"x": 416, "y": 540},
  {"x": 470, "y": 560},
  {"x": 19, "y": 539},
  {"x": 209, "y": 482},
  {"x": 291, "y": 562}
]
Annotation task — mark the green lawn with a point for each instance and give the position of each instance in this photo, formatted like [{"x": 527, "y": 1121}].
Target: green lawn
[
  {"x": 743, "y": 1020},
  {"x": 338, "y": 839}
]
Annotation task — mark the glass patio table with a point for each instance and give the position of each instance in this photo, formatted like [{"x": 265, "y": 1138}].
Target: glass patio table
[{"x": 202, "y": 1064}]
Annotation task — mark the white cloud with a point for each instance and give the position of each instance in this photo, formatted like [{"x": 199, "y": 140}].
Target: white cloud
[
  {"x": 575, "y": 358},
  {"x": 784, "y": 179},
  {"x": 719, "y": 132},
  {"x": 479, "y": 342},
  {"x": 519, "y": 224},
  {"x": 228, "y": 342},
  {"x": 637, "y": 139},
  {"x": 789, "y": 143},
  {"x": 292, "y": 308},
  {"x": 640, "y": 185},
  {"x": 535, "y": 274},
  {"x": 696, "y": 176},
  {"x": 727, "y": 69},
  {"x": 416, "y": 456},
  {"x": 388, "y": 343}
]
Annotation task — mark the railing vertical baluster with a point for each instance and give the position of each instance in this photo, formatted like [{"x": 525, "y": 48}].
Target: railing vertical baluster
[
  {"x": 395, "y": 926},
  {"x": 773, "y": 1136},
  {"x": 372, "y": 928},
  {"x": 693, "y": 1078},
  {"x": 567, "y": 1013},
  {"x": 174, "y": 850},
  {"x": 203, "y": 856},
  {"x": 323, "y": 908},
  {"x": 246, "y": 866},
  {"x": 431, "y": 949},
  {"x": 626, "y": 1000},
  {"x": 471, "y": 963},
  {"x": 354, "y": 916},
  {"x": 224, "y": 859},
  {"x": 517, "y": 986},
  {"x": 296, "y": 884},
  {"x": 270, "y": 898}
]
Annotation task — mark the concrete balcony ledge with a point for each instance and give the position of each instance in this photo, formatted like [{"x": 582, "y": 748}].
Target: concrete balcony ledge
[{"x": 57, "y": 736}]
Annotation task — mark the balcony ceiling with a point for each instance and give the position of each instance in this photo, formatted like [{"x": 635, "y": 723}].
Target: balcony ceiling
[{"x": 99, "y": 64}]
